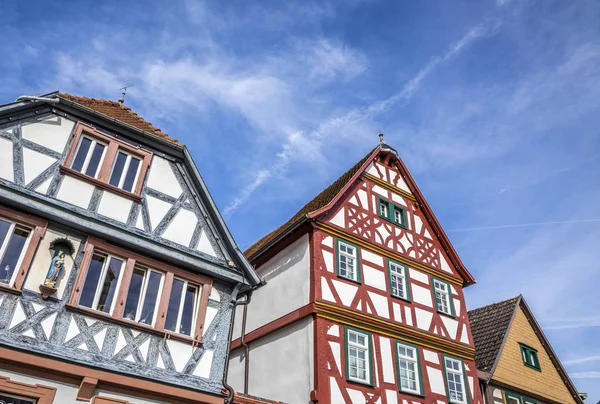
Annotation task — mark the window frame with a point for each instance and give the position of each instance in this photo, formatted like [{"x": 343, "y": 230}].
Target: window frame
[
  {"x": 37, "y": 228},
  {"x": 526, "y": 349},
  {"x": 105, "y": 167},
  {"x": 39, "y": 393},
  {"x": 464, "y": 380},
  {"x": 391, "y": 208},
  {"x": 419, "y": 374},
  {"x": 357, "y": 261},
  {"x": 406, "y": 277},
  {"x": 184, "y": 288},
  {"x": 142, "y": 298},
  {"x": 103, "y": 273},
  {"x": 368, "y": 356},
  {"x": 203, "y": 283},
  {"x": 451, "y": 312},
  {"x": 519, "y": 397}
]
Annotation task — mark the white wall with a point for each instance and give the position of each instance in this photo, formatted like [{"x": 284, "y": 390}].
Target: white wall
[
  {"x": 66, "y": 393},
  {"x": 288, "y": 281},
  {"x": 281, "y": 365}
]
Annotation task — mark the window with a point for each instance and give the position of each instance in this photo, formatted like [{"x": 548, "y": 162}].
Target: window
[
  {"x": 455, "y": 379},
  {"x": 125, "y": 171},
  {"x": 89, "y": 156},
  {"x": 443, "y": 297},
  {"x": 13, "y": 392},
  {"x": 20, "y": 235},
  {"x": 182, "y": 307},
  {"x": 107, "y": 162},
  {"x": 101, "y": 282},
  {"x": 358, "y": 357},
  {"x": 513, "y": 398},
  {"x": 13, "y": 244},
  {"x": 409, "y": 370},
  {"x": 391, "y": 212},
  {"x": 398, "y": 280},
  {"x": 348, "y": 263},
  {"x": 140, "y": 292},
  {"x": 530, "y": 357},
  {"x": 143, "y": 295}
]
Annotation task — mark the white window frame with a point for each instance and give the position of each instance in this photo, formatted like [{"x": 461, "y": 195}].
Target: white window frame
[
  {"x": 181, "y": 304},
  {"x": 366, "y": 348},
  {"x": 445, "y": 293},
  {"x": 125, "y": 169},
  {"x": 459, "y": 372},
  {"x": 408, "y": 359},
  {"x": 384, "y": 208},
  {"x": 101, "y": 281},
  {"x": 354, "y": 258},
  {"x": 11, "y": 230},
  {"x": 142, "y": 298},
  {"x": 88, "y": 156},
  {"x": 398, "y": 274}
]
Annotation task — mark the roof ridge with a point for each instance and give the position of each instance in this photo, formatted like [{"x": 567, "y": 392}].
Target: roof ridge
[
  {"x": 495, "y": 304},
  {"x": 118, "y": 111}
]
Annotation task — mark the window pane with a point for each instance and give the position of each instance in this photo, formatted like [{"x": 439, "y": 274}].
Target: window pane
[
  {"x": 117, "y": 170},
  {"x": 4, "y": 227},
  {"x": 109, "y": 286},
  {"x": 134, "y": 293},
  {"x": 174, "y": 302},
  {"x": 131, "y": 174},
  {"x": 91, "y": 280},
  {"x": 84, "y": 147},
  {"x": 187, "y": 315},
  {"x": 12, "y": 399},
  {"x": 12, "y": 254},
  {"x": 151, "y": 297},
  {"x": 95, "y": 160}
]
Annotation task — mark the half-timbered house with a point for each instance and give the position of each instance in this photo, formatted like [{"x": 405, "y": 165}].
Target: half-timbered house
[
  {"x": 117, "y": 271},
  {"x": 515, "y": 360},
  {"x": 363, "y": 300}
]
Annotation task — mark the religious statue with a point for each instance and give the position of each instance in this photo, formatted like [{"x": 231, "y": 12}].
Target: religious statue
[{"x": 62, "y": 247}]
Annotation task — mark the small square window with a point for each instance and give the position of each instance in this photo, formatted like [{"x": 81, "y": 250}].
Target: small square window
[
  {"x": 530, "y": 357},
  {"x": 391, "y": 212}
]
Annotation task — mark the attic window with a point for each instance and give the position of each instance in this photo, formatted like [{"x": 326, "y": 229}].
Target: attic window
[
  {"x": 530, "y": 357},
  {"x": 107, "y": 162},
  {"x": 391, "y": 212}
]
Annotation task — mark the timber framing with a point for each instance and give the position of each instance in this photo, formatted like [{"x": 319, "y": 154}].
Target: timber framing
[
  {"x": 389, "y": 186},
  {"x": 331, "y": 230}
]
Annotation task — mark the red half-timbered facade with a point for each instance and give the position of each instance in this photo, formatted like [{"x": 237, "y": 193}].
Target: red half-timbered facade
[{"x": 384, "y": 315}]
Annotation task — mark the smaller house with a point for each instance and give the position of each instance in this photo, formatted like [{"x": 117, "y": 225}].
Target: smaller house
[{"x": 515, "y": 362}]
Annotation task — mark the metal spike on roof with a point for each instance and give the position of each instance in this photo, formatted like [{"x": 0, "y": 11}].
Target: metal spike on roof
[{"x": 124, "y": 92}]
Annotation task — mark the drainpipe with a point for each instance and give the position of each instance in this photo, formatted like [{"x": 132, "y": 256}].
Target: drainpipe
[
  {"x": 236, "y": 302},
  {"x": 36, "y": 98},
  {"x": 245, "y": 345}
]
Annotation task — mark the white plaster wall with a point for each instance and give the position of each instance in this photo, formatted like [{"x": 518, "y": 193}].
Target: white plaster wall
[
  {"x": 182, "y": 227},
  {"x": 75, "y": 192},
  {"x": 34, "y": 163},
  {"x": 52, "y": 132},
  {"x": 66, "y": 393},
  {"x": 43, "y": 258},
  {"x": 281, "y": 365},
  {"x": 287, "y": 288},
  {"x": 114, "y": 206},
  {"x": 162, "y": 179},
  {"x": 6, "y": 160}
]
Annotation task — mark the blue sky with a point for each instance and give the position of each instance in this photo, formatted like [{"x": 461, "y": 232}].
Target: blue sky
[{"x": 493, "y": 105}]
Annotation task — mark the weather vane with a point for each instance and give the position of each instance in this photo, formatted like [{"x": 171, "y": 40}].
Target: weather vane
[{"x": 124, "y": 92}]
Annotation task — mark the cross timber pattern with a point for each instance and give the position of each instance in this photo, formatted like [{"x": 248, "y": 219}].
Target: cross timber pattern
[
  {"x": 358, "y": 215},
  {"x": 332, "y": 380},
  {"x": 32, "y": 151},
  {"x": 45, "y": 326}
]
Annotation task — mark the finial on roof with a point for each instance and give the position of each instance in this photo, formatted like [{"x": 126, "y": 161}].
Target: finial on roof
[
  {"x": 381, "y": 138},
  {"x": 124, "y": 92}
]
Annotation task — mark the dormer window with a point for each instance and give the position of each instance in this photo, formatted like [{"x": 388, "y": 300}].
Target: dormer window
[{"x": 106, "y": 161}]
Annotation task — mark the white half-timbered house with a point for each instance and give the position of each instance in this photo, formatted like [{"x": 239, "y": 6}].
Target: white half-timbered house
[{"x": 117, "y": 271}]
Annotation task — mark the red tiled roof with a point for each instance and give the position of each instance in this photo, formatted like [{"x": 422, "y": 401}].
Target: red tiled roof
[
  {"x": 318, "y": 202},
  {"x": 118, "y": 111}
]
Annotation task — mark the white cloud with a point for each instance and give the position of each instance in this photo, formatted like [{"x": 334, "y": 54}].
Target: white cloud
[
  {"x": 585, "y": 375},
  {"x": 327, "y": 59}
]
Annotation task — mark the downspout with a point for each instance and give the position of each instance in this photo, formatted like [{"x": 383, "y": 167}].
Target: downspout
[
  {"x": 246, "y": 347},
  {"x": 236, "y": 302}
]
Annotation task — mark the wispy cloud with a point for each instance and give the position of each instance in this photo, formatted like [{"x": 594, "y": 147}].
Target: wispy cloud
[
  {"x": 585, "y": 375},
  {"x": 581, "y": 360}
]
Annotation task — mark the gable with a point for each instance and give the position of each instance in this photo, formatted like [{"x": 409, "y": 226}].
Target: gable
[
  {"x": 511, "y": 370},
  {"x": 169, "y": 210}
]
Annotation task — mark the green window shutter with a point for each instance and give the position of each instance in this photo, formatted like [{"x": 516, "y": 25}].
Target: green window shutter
[{"x": 530, "y": 357}]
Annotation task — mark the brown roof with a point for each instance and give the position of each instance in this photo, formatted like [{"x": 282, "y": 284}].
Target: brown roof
[
  {"x": 489, "y": 324},
  {"x": 315, "y": 204},
  {"x": 118, "y": 111}
]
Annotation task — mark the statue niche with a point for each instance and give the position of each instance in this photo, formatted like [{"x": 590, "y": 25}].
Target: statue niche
[{"x": 62, "y": 248}]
